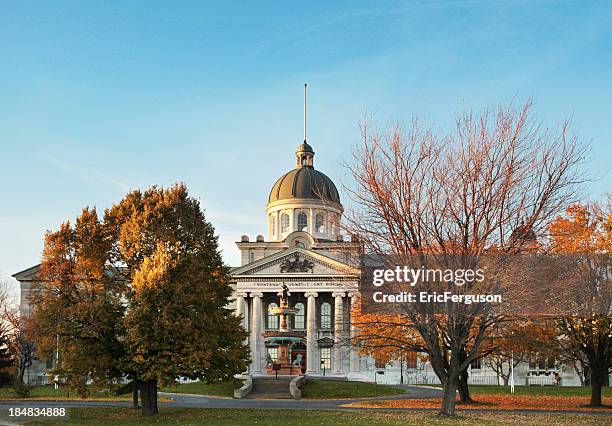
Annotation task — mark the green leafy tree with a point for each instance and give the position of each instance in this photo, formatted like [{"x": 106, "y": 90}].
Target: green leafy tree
[{"x": 142, "y": 295}]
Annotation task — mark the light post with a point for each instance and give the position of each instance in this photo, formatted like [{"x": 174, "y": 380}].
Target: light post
[
  {"x": 323, "y": 364},
  {"x": 56, "y": 378}
]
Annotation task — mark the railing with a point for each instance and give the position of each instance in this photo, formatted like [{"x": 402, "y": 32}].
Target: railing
[
  {"x": 540, "y": 380},
  {"x": 483, "y": 380},
  {"x": 422, "y": 380},
  {"x": 433, "y": 380}
]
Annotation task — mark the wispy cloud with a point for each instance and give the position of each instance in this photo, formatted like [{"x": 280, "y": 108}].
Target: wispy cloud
[{"x": 87, "y": 173}]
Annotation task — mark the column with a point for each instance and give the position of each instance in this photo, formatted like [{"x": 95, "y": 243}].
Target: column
[
  {"x": 241, "y": 308},
  {"x": 256, "y": 338},
  {"x": 241, "y": 311},
  {"x": 311, "y": 222},
  {"x": 354, "y": 355},
  {"x": 312, "y": 360},
  {"x": 337, "y": 367}
]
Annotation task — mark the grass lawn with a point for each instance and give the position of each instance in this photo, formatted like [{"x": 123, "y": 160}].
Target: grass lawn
[
  {"x": 49, "y": 392},
  {"x": 538, "y": 390},
  {"x": 552, "y": 398},
  {"x": 202, "y": 416},
  {"x": 315, "y": 388},
  {"x": 200, "y": 388}
]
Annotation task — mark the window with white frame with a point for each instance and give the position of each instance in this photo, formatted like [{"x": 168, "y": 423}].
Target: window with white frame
[
  {"x": 302, "y": 222},
  {"x": 299, "y": 319},
  {"x": 273, "y": 354},
  {"x": 326, "y": 316},
  {"x": 326, "y": 358},
  {"x": 272, "y": 319},
  {"x": 284, "y": 223},
  {"x": 320, "y": 223}
]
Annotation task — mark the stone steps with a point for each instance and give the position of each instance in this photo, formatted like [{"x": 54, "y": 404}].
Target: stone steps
[{"x": 270, "y": 388}]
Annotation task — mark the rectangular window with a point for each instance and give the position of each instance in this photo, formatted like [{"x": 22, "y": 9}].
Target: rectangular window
[
  {"x": 272, "y": 318},
  {"x": 326, "y": 316},
  {"x": 379, "y": 363},
  {"x": 273, "y": 354},
  {"x": 298, "y": 319},
  {"x": 476, "y": 364},
  {"x": 326, "y": 358}
]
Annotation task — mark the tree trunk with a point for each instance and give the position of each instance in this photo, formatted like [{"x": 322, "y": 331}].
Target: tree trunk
[
  {"x": 448, "y": 401},
  {"x": 148, "y": 395},
  {"x": 462, "y": 386},
  {"x": 21, "y": 373},
  {"x": 506, "y": 379},
  {"x": 135, "y": 390},
  {"x": 597, "y": 379},
  {"x": 464, "y": 391}
]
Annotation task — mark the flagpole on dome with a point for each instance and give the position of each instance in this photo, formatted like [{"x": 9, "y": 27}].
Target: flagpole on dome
[{"x": 305, "y": 85}]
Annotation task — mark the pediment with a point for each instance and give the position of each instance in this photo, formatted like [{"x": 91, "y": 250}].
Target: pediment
[
  {"x": 30, "y": 274},
  {"x": 295, "y": 262}
]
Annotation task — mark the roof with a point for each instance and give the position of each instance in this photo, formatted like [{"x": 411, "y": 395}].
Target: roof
[
  {"x": 304, "y": 147},
  {"x": 304, "y": 183},
  {"x": 29, "y": 274}
]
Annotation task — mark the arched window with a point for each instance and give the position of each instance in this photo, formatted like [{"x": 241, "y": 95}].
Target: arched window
[
  {"x": 320, "y": 223},
  {"x": 272, "y": 319},
  {"x": 273, "y": 225},
  {"x": 298, "y": 322},
  {"x": 302, "y": 222},
  {"x": 326, "y": 316},
  {"x": 284, "y": 223}
]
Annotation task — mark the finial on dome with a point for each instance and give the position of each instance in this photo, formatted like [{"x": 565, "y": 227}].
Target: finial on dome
[{"x": 304, "y": 155}]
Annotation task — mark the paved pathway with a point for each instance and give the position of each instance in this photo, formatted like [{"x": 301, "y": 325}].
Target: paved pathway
[{"x": 182, "y": 400}]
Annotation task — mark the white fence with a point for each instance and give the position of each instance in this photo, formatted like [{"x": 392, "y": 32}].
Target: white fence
[{"x": 540, "y": 380}]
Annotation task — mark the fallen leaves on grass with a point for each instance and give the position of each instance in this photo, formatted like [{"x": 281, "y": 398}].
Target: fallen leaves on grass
[{"x": 492, "y": 402}]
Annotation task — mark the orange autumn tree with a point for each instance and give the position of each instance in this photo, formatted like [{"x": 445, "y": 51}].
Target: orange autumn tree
[
  {"x": 388, "y": 338},
  {"x": 385, "y": 337},
  {"x": 518, "y": 340},
  {"x": 586, "y": 231}
]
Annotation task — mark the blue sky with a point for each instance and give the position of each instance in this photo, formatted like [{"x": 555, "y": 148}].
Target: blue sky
[{"x": 97, "y": 98}]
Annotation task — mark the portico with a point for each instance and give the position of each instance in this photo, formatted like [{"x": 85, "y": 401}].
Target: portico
[{"x": 322, "y": 300}]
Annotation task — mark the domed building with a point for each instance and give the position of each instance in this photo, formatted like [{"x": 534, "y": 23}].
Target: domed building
[
  {"x": 306, "y": 251},
  {"x": 304, "y": 199}
]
